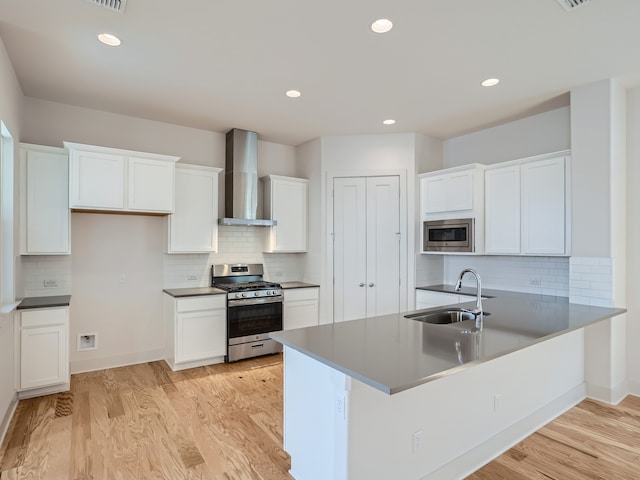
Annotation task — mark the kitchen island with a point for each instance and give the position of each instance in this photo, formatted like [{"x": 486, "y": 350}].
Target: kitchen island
[{"x": 392, "y": 397}]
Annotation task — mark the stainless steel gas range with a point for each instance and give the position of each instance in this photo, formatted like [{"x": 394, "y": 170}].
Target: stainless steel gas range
[{"x": 254, "y": 309}]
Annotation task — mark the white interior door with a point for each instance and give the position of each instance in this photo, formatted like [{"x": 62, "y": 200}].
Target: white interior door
[
  {"x": 366, "y": 261},
  {"x": 383, "y": 245},
  {"x": 349, "y": 249}
]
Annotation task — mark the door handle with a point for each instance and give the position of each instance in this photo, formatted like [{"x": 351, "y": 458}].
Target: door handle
[
  {"x": 361, "y": 284},
  {"x": 371, "y": 284}
]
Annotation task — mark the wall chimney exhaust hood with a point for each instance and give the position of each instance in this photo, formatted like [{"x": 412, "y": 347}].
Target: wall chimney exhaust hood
[{"x": 241, "y": 180}]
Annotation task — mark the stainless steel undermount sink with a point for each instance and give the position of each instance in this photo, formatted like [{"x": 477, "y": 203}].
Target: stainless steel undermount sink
[{"x": 444, "y": 316}]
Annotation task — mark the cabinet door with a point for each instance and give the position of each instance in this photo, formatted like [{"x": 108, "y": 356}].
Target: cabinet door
[
  {"x": 201, "y": 335},
  {"x": 289, "y": 208},
  {"x": 433, "y": 194},
  {"x": 193, "y": 227},
  {"x": 459, "y": 191},
  {"x": 543, "y": 207},
  {"x": 45, "y": 213},
  {"x": 96, "y": 180},
  {"x": 300, "y": 314},
  {"x": 429, "y": 299},
  {"x": 446, "y": 193},
  {"x": 151, "y": 185},
  {"x": 43, "y": 356},
  {"x": 502, "y": 210},
  {"x": 300, "y": 308}
]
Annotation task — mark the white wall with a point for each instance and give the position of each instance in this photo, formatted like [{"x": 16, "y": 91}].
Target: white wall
[
  {"x": 125, "y": 313},
  {"x": 535, "y": 135},
  {"x": 10, "y": 113},
  {"x": 633, "y": 240}
]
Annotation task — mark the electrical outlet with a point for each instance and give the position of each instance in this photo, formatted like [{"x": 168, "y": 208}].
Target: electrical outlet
[
  {"x": 192, "y": 277},
  {"x": 417, "y": 441},
  {"x": 50, "y": 283},
  {"x": 278, "y": 274},
  {"x": 536, "y": 282},
  {"x": 122, "y": 278}
]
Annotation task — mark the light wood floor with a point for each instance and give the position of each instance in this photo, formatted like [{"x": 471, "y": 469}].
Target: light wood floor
[
  {"x": 590, "y": 441},
  {"x": 225, "y": 422},
  {"x": 147, "y": 422}
]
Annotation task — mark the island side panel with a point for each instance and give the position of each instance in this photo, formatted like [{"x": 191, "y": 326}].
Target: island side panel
[
  {"x": 462, "y": 424},
  {"x": 315, "y": 418}
]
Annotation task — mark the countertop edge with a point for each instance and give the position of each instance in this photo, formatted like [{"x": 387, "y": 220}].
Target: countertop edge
[
  {"x": 192, "y": 292},
  {"x": 393, "y": 389},
  {"x": 29, "y": 303}
]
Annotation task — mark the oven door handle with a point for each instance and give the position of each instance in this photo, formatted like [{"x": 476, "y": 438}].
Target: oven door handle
[{"x": 253, "y": 301}]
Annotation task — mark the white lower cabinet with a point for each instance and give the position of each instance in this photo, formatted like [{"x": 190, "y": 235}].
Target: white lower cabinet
[
  {"x": 430, "y": 299},
  {"x": 300, "y": 308},
  {"x": 196, "y": 329},
  {"x": 42, "y": 351}
]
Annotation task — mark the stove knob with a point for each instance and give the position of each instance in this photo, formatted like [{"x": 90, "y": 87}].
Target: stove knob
[
  {"x": 257, "y": 294},
  {"x": 244, "y": 295}
]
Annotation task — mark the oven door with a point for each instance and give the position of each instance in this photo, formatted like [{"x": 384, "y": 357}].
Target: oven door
[{"x": 253, "y": 316}]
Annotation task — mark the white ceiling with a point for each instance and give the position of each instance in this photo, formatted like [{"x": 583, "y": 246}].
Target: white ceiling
[{"x": 219, "y": 64}]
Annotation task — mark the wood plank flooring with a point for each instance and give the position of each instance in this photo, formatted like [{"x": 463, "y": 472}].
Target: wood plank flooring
[
  {"x": 590, "y": 441},
  {"x": 147, "y": 422},
  {"x": 225, "y": 422}
]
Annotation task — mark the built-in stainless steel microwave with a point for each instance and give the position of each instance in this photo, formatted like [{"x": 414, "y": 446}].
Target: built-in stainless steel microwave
[{"x": 455, "y": 235}]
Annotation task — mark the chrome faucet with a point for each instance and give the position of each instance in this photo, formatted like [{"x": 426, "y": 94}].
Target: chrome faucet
[{"x": 477, "y": 311}]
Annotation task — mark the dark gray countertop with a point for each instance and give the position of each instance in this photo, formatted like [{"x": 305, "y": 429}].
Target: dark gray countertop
[
  {"x": 44, "y": 302},
  {"x": 393, "y": 353},
  {"x": 193, "y": 292},
  {"x": 288, "y": 285}
]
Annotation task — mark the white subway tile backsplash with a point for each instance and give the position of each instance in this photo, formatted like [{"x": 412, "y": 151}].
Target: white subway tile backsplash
[
  {"x": 541, "y": 275},
  {"x": 591, "y": 281},
  {"x": 236, "y": 244}
]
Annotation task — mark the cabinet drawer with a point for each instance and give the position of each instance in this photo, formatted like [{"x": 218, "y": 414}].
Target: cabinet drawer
[
  {"x": 41, "y": 317},
  {"x": 296, "y": 294},
  {"x": 206, "y": 302}
]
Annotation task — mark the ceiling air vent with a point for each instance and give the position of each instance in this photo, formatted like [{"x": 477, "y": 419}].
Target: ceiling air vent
[
  {"x": 569, "y": 5},
  {"x": 113, "y": 5}
]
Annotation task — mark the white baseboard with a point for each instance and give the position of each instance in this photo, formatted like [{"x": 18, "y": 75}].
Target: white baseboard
[
  {"x": 93, "y": 364},
  {"x": 611, "y": 396},
  {"x": 6, "y": 420},
  {"x": 634, "y": 388},
  {"x": 475, "y": 458},
  {"x": 39, "y": 392}
]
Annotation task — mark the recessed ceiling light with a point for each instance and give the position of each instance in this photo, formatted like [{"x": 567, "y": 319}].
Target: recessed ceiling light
[
  {"x": 382, "y": 25},
  {"x": 490, "y": 82},
  {"x": 293, "y": 93},
  {"x": 389, "y": 121},
  {"x": 109, "y": 39}
]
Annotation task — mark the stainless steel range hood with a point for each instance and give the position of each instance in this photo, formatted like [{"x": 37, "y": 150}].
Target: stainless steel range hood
[{"x": 241, "y": 180}]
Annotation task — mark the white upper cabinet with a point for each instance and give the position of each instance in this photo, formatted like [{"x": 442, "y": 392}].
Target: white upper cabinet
[
  {"x": 151, "y": 185},
  {"x": 285, "y": 200},
  {"x": 544, "y": 212},
  {"x": 451, "y": 190},
  {"x": 502, "y": 210},
  {"x": 193, "y": 227},
  {"x": 44, "y": 201},
  {"x": 111, "y": 179},
  {"x": 526, "y": 207}
]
